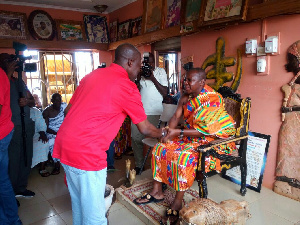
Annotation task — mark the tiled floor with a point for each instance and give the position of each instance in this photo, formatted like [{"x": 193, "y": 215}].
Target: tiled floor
[{"x": 52, "y": 205}]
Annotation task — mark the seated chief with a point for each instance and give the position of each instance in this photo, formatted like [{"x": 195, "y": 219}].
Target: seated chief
[
  {"x": 54, "y": 116},
  {"x": 174, "y": 161}
]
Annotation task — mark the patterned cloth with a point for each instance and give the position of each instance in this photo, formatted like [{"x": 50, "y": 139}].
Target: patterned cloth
[
  {"x": 123, "y": 138},
  {"x": 54, "y": 124},
  {"x": 40, "y": 149},
  {"x": 175, "y": 163}
]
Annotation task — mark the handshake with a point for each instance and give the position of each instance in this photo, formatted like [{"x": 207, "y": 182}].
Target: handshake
[{"x": 167, "y": 134}]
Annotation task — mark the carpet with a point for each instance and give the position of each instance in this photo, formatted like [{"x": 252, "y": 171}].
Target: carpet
[{"x": 153, "y": 211}]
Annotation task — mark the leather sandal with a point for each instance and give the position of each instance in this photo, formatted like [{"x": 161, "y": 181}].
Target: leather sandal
[{"x": 149, "y": 199}]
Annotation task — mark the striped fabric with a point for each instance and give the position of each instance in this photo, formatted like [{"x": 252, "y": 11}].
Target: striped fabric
[{"x": 175, "y": 163}]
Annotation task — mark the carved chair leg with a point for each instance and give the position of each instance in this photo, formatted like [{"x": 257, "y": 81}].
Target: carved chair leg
[
  {"x": 243, "y": 167},
  {"x": 201, "y": 179}
]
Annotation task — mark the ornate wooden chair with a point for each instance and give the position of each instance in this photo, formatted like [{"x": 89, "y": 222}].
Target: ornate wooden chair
[{"x": 239, "y": 109}]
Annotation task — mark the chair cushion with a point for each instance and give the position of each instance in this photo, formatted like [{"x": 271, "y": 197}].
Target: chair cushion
[{"x": 233, "y": 108}]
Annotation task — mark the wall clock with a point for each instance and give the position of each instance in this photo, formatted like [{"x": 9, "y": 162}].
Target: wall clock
[{"x": 41, "y": 25}]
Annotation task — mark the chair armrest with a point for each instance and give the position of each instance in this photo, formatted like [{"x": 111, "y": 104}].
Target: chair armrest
[{"x": 204, "y": 148}]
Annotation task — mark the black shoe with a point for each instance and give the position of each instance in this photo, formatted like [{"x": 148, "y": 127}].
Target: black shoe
[
  {"x": 25, "y": 194},
  {"x": 18, "y": 203},
  {"x": 111, "y": 168},
  {"x": 138, "y": 170}
]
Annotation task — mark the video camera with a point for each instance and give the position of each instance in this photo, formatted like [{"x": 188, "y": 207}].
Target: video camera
[
  {"x": 146, "y": 69},
  {"x": 22, "y": 66}
]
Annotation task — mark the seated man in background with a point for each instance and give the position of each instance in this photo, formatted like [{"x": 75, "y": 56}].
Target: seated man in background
[
  {"x": 40, "y": 142},
  {"x": 174, "y": 162},
  {"x": 54, "y": 116}
]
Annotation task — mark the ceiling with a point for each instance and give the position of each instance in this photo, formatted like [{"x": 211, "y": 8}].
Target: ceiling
[{"x": 75, "y": 5}]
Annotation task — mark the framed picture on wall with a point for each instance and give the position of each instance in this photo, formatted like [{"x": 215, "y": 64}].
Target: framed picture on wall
[
  {"x": 222, "y": 11},
  {"x": 152, "y": 15},
  {"x": 41, "y": 25},
  {"x": 13, "y": 25},
  {"x": 124, "y": 30},
  {"x": 136, "y": 27},
  {"x": 70, "y": 30},
  {"x": 96, "y": 28},
  {"x": 113, "y": 31},
  {"x": 172, "y": 11},
  {"x": 190, "y": 10}
]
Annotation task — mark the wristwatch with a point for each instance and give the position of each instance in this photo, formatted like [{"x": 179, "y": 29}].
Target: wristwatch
[
  {"x": 163, "y": 133},
  {"x": 181, "y": 134}
]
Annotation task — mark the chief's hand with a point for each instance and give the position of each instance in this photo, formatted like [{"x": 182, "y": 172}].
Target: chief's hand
[{"x": 172, "y": 133}]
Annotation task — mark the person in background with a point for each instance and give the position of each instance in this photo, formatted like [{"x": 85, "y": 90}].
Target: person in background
[
  {"x": 153, "y": 89},
  {"x": 54, "y": 116},
  {"x": 8, "y": 204},
  {"x": 94, "y": 115},
  {"x": 19, "y": 153},
  {"x": 37, "y": 101},
  {"x": 174, "y": 162},
  {"x": 40, "y": 142},
  {"x": 110, "y": 156}
]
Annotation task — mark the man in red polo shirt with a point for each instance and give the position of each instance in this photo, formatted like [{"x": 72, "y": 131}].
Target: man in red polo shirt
[{"x": 95, "y": 113}]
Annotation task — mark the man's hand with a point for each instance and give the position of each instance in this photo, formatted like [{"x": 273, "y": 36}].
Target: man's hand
[
  {"x": 43, "y": 137},
  {"x": 172, "y": 133}
]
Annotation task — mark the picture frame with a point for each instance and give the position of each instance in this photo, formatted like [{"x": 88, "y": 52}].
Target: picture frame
[
  {"x": 124, "y": 30},
  {"x": 136, "y": 27},
  {"x": 222, "y": 11},
  {"x": 190, "y": 10},
  {"x": 96, "y": 28},
  {"x": 41, "y": 25},
  {"x": 257, "y": 150},
  {"x": 152, "y": 15},
  {"x": 172, "y": 11},
  {"x": 68, "y": 30},
  {"x": 13, "y": 25},
  {"x": 113, "y": 31}
]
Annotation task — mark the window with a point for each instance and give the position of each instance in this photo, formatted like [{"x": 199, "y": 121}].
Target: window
[{"x": 59, "y": 72}]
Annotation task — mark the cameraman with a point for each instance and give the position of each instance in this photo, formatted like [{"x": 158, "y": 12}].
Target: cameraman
[
  {"x": 8, "y": 204},
  {"x": 153, "y": 86},
  {"x": 19, "y": 170}
]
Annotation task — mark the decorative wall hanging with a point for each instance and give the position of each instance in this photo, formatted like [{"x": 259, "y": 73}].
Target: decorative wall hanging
[
  {"x": 124, "y": 30},
  {"x": 70, "y": 30},
  {"x": 219, "y": 63},
  {"x": 172, "y": 12},
  {"x": 190, "y": 10},
  {"x": 136, "y": 27},
  {"x": 152, "y": 15},
  {"x": 96, "y": 28},
  {"x": 222, "y": 11},
  {"x": 13, "y": 25},
  {"x": 113, "y": 31},
  {"x": 41, "y": 25}
]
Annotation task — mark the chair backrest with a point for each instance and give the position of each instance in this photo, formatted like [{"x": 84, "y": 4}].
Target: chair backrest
[
  {"x": 239, "y": 109},
  {"x": 168, "y": 112}
]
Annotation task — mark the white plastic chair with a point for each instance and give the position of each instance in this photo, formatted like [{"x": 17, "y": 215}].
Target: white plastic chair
[{"x": 168, "y": 112}]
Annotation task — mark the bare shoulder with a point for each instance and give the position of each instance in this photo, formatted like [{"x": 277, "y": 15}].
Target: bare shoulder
[{"x": 183, "y": 100}]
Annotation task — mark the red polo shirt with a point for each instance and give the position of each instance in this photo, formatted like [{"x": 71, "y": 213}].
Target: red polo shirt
[
  {"x": 99, "y": 106},
  {"x": 6, "y": 125}
]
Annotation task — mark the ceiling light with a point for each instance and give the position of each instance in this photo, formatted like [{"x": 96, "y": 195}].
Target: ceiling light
[{"x": 100, "y": 8}]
